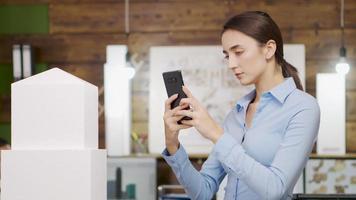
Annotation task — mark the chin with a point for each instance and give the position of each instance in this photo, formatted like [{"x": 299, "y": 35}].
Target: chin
[{"x": 245, "y": 82}]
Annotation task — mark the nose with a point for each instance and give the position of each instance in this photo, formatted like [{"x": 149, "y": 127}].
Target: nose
[{"x": 233, "y": 62}]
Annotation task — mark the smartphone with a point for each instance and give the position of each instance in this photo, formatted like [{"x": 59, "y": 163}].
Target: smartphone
[{"x": 173, "y": 81}]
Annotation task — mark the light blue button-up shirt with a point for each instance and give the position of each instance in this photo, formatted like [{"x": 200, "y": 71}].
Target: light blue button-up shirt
[{"x": 263, "y": 161}]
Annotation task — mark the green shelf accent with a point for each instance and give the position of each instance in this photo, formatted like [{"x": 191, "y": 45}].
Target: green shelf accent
[
  {"x": 6, "y": 79},
  {"x": 5, "y": 132},
  {"x": 6, "y": 76},
  {"x": 22, "y": 19},
  {"x": 40, "y": 67}
]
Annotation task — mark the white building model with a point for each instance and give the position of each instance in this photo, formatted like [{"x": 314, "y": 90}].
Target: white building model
[{"x": 55, "y": 153}]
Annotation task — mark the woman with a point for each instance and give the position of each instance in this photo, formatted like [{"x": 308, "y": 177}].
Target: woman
[{"x": 267, "y": 138}]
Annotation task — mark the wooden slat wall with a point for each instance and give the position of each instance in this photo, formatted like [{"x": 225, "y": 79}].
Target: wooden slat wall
[{"x": 80, "y": 30}]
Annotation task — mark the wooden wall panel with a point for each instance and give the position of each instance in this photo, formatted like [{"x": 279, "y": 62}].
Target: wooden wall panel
[
  {"x": 300, "y": 14},
  {"x": 101, "y": 132},
  {"x": 139, "y": 43},
  {"x": 91, "y": 48},
  {"x": 351, "y": 137},
  {"x": 351, "y": 107},
  {"x": 322, "y": 44},
  {"x": 69, "y": 48},
  {"x": 22, "y": 2},
  {"x": 177, "y": 16},
  {"x": 350, "y": 14},
  {"x": 328, "y": 66},
  {"x": 26, "y": 2},
  {"x": 90, "y": 72},
  {"x": 87, "y": 18},
  {"x": 210, "y": 15}
]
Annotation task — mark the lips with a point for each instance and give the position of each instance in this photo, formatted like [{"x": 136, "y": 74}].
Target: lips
[{"x": 239, "y": 75}]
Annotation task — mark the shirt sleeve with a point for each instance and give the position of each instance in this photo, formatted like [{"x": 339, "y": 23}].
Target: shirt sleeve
[
  {"x": 273, "y": 181},
  {"x": 198, "y": 185}
]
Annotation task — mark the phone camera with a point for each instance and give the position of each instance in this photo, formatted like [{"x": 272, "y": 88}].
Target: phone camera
[{"x": 172, "y": 80}]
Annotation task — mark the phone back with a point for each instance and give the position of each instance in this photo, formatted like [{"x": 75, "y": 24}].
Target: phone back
[{"x": 174, "y": 82}]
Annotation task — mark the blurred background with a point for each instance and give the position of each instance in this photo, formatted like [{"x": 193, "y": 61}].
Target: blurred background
[{"x": 73, "y": 35}]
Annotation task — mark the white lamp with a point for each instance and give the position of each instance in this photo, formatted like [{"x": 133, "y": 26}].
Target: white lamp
[{"x": 342, "y": 67}]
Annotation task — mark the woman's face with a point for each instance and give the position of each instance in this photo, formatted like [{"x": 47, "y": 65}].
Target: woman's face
[{"x": 245, "y": 56}]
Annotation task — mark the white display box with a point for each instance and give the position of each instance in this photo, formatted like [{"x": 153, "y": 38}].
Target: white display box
[
  {"x": 117, "y": 97},
  {"x": 53, "y": 175},
  {"x": 331, "y": 94},
  {"x": 54, "y": 110}
]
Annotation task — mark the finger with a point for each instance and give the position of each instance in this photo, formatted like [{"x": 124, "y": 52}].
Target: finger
[
  {"x": 191, "y": 101},
  {"x": 184, "y": 113},
  {"x": 187, "y": 91},
  {"x": 189, "y": 106},
  {"x": 183, "y": 126},
  {"x": 172, "y": 119},
  {"x": 188, "y": 122},
  {"x": 186, "y": 101},
  {"x": 175, "y": 119},
  {"x": 169, "y": 101},
  {"x": 177, "y": 127},
  {"x": 185, "y": 105},
  {"x": 178, "y": 108}
]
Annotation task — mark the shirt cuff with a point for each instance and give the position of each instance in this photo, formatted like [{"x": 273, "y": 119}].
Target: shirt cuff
[{"x": 177, "y": 159}]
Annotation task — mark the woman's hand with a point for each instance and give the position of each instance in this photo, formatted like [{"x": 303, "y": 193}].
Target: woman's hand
[
  {"x": 201, "y": 119},
  {"x": 171, "y": 126}
]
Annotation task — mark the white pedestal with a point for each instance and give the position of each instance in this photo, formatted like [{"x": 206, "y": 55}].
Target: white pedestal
[
  {"x": 117, "y": 101},
  {"x": 53, "y": 175},
  {"x": 54, "y": 152},
  {"x": 54, "y": 110},
  {"x": 330, "y": 92}
]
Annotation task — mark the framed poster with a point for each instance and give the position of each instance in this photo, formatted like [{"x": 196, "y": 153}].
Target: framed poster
[
  {"x": 330, "y": 176},
  {"x": 207, "y": 76}
]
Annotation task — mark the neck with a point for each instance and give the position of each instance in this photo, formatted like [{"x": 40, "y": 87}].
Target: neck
[{"x": 272, "y": 77}]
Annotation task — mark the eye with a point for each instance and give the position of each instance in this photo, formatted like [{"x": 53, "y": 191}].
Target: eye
[
  {"x": 238, "y": 53},
  {"x": 226, "y": 57}
]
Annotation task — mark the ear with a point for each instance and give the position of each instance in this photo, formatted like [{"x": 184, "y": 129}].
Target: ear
[{"x": 270, "y": 49}]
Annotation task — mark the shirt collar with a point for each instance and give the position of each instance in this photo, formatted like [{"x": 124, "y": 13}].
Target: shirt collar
[
  {"x": 245, "y": 100},
  {"x": 280, "y": 93}
]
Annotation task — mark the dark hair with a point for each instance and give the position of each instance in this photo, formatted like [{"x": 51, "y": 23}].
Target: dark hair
[{"x": 260, "y": 26}]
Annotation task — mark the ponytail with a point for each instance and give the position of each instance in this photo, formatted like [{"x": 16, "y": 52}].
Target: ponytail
[{"x": 289, "y": 70}]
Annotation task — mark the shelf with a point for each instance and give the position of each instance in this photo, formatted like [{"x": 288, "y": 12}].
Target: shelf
[{"x": 204, "y": 156}]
